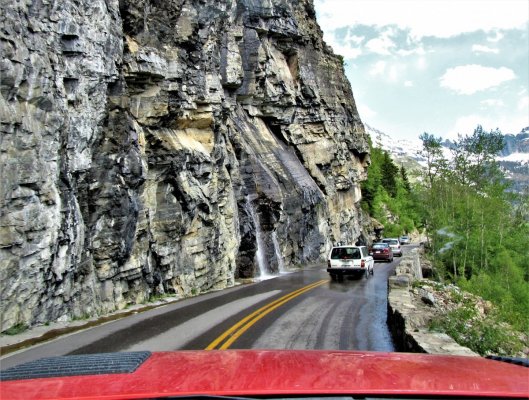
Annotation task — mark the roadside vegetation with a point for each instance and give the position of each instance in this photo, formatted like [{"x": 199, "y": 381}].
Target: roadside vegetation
[
  {"x": 480, "y": 332},
  {"x": 470, "y": 320},
  {"x": 388, "y": 197},
  {"x": 477, "y": 229},
  {"x": 16, "y": 329}
]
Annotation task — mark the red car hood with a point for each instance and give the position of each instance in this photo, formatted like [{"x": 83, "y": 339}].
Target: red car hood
[{"x": 281, "y": 373}]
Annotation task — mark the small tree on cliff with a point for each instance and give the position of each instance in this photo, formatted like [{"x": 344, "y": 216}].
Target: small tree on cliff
[
  {"x": 389, "y": 173},
  {"x": 433, "y": 152}
]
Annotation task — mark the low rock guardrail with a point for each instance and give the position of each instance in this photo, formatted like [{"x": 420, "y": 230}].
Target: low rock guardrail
[{"x": 408, "y": 318}]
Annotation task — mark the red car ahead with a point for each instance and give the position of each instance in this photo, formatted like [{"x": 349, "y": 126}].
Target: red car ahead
[
  {"x": 382, "y": 251},
  {"x": 263, "y": 374}
]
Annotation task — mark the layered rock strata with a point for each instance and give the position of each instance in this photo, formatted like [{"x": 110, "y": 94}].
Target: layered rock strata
[{"x": 155, "y": 147}]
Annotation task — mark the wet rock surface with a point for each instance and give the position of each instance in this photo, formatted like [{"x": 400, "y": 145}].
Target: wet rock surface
[{"x": 159, "y": 147}]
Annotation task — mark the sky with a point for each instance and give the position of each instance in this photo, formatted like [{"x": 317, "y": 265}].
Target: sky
[{"x": 441, "y": 67}]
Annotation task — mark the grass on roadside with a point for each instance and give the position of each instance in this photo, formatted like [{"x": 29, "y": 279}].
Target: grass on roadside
[
  {"x": 483, "y": 334},
  {"x": 15, "y": 329}
]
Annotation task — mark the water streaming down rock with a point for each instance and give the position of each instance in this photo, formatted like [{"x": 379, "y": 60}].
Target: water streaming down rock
[
  {"x": 260, "y": 252},
  {"x": 279, "y": 256}
]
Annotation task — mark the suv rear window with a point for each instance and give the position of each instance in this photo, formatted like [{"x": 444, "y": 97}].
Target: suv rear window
[{"x": 345, "y": 253}]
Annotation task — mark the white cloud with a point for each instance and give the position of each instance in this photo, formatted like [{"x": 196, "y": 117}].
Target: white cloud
[
  {"x": 378, "y": 68},
  {"x": 496, "y": 38},
  {"x": 465, "y": 125},
  {"x": 390, "y": 72},
  {"x": 344, "y": 49},
  {"x": 523, "y": 104},
  {"x": 439, "y": 18},
  {"x": 469, "y": 79},
  {"x": 353, "y": 39},
  {"x": 478, "y": 48},
  {"x": 380, "y": 45},
  {"x": 421, "y": 63},
  {"x": 394, "y": 73},
  {"x": 365, "y": 112},
  {"x": 492, "y": 103},
  {"x": 416, "y": 50},
  {"x": 408, "y": 84}
]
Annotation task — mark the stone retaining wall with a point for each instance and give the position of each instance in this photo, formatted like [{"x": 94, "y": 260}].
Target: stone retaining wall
[{"x": 408, "y": 319}]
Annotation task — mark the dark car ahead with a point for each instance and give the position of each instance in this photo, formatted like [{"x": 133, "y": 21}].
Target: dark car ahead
[{"x": 382, "y": 251}]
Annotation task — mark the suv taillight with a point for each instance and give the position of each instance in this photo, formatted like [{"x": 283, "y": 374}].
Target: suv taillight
[
  {"x": 362, "y": 264},
  {"x": 328, "y": 263}
]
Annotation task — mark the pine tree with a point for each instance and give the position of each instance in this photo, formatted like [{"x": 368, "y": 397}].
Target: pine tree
[
  {"x": 389, "y": 173},
  {"x": 404, "y": 178}
]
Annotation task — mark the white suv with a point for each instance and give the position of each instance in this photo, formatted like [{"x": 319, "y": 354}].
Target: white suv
[
  {"x": 349, "y": 260},
  {"x": 394, "y": 243}
]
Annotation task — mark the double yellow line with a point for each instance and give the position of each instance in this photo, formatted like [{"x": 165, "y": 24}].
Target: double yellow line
[{"x": 232, "y": 334}]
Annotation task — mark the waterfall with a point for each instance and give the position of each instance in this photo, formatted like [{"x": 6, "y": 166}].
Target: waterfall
[
  {"x": 260, "y": 254},
  {"x": 279, "y": 256}
]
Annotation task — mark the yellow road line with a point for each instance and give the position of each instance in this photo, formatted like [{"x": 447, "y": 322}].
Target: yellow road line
[{"x": 244, "y": 324}]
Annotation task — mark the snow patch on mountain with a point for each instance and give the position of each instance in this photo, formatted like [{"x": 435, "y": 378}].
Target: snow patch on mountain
[
  {"x": 522, "y": 158},
  {"x": 401, "y": 150}
]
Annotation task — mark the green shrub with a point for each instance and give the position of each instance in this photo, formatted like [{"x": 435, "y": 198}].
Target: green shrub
[
  {"x": 484, "y": 336},
  {"x": 15, "y": 329},
  {"x": 507, "y": 290}
]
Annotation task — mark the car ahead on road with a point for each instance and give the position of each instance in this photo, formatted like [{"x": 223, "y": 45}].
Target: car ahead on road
[
  {"x": 264, "y": 374},
  {"x": 382, "y": 251},
  {"x": 349, "y": 260},
  {"x": 405, "y": 239},
  {"x": 394, "y": 244}
]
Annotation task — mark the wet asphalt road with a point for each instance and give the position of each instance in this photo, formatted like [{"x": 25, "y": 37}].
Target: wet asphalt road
[{"x": 300, "y": 310}]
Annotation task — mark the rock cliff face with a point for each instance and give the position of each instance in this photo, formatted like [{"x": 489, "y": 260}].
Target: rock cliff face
[
  {"x": 516, "y": 143},
  {"x": 167, "y": 146}
]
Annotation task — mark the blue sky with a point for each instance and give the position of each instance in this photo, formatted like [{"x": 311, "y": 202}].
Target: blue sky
[{"x": 441, "y": 67}]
